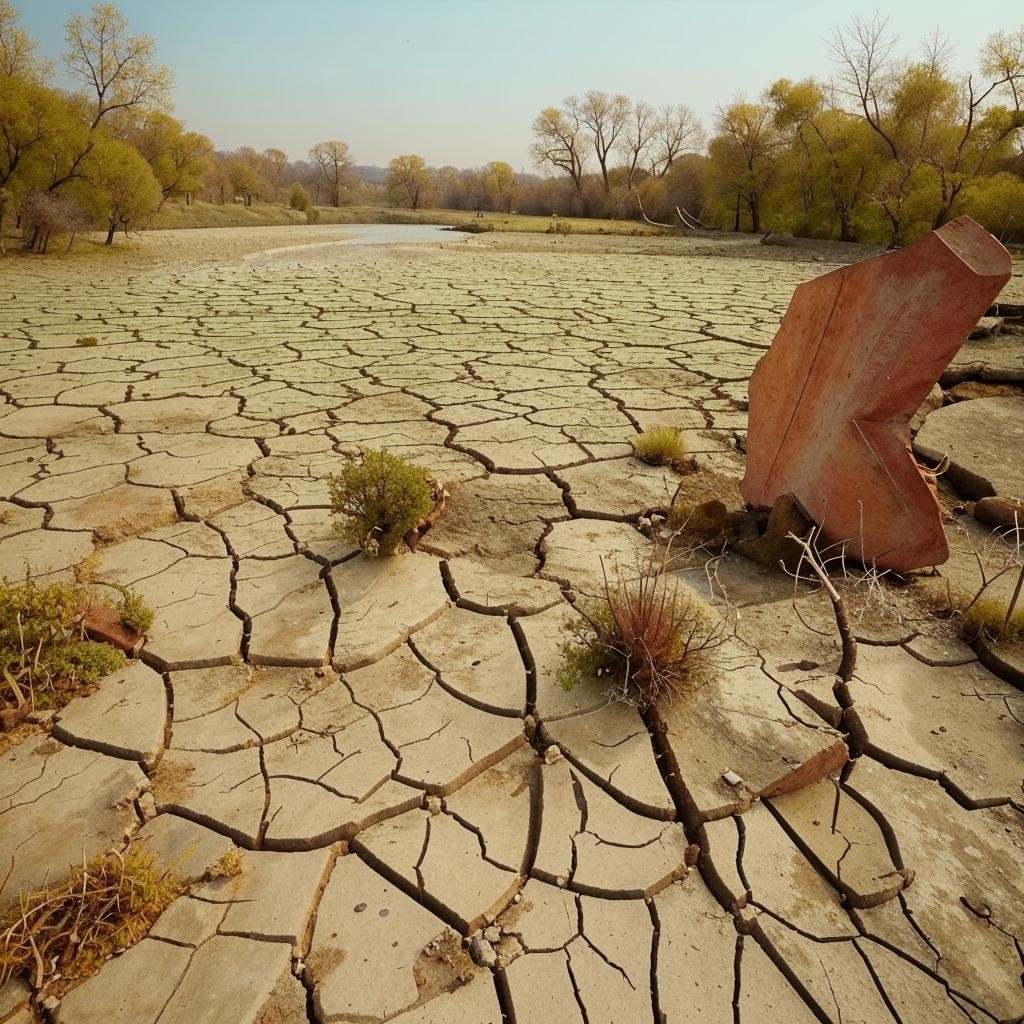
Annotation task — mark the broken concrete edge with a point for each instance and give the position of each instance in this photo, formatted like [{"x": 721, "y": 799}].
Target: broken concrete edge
[{"x": 104, "y": 625}]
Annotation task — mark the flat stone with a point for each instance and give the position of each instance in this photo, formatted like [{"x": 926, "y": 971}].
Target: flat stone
[
  {"x": 973, "y": 856},
  {"x": 255, "y": 531},
  {"x": 55, "y": 421},
  {"x": 843, "y": 841},
  {"x": 476, "y": 1001},
  {"x": 542, "y": 989},
  {"x": 832, "y": 972},
  {"x": 183, "y": 847},
  {"x": 208, "y": 993},
  {"x": 953, "y": 721},
  {"x": 499, "y": 804},
  {"x": 366, "y": 941},
  {"x": 133, "y": 988},
  {"x": 384, "y": 601},
  {"x": 443, "y": 860},
  {"x": 290, "y": 608},
  {"x": 273, "y": 897},
  {"x": 117, "y": 513},
  {"x": 497, "y": 520},
  {"x": 582, "y": 552},
  {"x": 612, "y": 967},
  {"x": 983, "y": 440},
  {"x": 223, "y": 791},
  {"x": 999, "y": 358},
  {"x": 785, "y": 882},
  {"x": 592, "y": 844},
  {"x": 613, "y": 744},
  {"x": 483, "y": 588},
  {"x": 59, "y": 805},
  {"x": 915, "y": 995},
  {"x": 736, "y": 721},
  {"x": 42, "y": 552},
  {"x": 199, "y": 691},
  {"x": 856, "y": 355},
  {"x": 764, "y": 994},
  {"x": 619, "y": 488},
  {"x": 546, "y": 917},
  {"x": 188, "y": 922},
  {"x": 695, "y": 953},
  {"x": 125, "y": 717},
  {"x": 442, "y": 742},
  {"x": 477, "y": 657},
  {"x": 181, "y": 413}
]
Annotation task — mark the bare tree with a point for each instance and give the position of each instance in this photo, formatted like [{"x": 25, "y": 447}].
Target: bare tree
[
  {"x": 676, "y": 131},
  {"x": 605, "y": 117},
  {"x": 335, "y": 163},
  {"x": 559, "y": 139},
  {"x": 637, "y": 138},
  {"x": 118, "y": 67}
]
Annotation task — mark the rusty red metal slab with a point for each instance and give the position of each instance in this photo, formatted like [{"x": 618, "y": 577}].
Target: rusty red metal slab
[{"x": 830, "y": 402}]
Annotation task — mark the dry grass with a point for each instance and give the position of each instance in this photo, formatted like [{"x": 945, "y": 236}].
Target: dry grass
[
  {"x": 230, "y": 864},
  {"x": 648, "y": 637},
  {"x": 63, "y": 933},
  {"x": 660, "y": 446}
]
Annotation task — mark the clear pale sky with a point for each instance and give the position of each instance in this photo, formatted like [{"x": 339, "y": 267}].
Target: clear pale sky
[{"x": 460, "y": 81}]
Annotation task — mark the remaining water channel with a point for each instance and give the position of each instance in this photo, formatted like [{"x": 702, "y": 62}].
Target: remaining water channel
[{"x": 365, "y": 234}]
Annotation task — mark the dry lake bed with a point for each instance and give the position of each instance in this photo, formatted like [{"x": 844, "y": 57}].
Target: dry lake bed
[{"x": 386, "y": 739}]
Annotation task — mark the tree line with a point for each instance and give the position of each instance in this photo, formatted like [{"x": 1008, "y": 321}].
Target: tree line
[{"x": 889, "y": 147}]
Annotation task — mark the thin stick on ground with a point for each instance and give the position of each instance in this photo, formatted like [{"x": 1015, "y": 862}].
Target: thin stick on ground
[{"x": 848, "y": 663}]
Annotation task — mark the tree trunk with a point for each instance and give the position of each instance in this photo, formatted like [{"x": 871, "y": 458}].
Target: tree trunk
[
  {"x": 110, "y": 233},
  {"x": 755, "y": 214}
]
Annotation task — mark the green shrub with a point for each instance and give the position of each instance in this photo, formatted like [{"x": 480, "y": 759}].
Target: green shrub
[
  {"x": 379, "y": 498},
  {"x": 44, "y": 654},
  {"x": 312, "y": 215},
  {"x": 88, "y": 341},
  {"x": 660, "y": 446},
  {"x": 648, "y": 637},
  {"x": 135, "y": 614},
  {"x": 299, "y": 198}
]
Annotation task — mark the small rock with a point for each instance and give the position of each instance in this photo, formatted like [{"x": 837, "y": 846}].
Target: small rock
[
  {"x": 482, "y": 952},
  {"x": 434, "y": 805},
  {"x": 552, "y": 754},
  {"x": 147, "y": 806},
  {"x": 492, "y": 934},
  {"x": 1007, "y": 513}
]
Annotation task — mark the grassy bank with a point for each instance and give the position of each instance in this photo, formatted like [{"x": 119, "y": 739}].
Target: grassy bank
[{"x": 208, "y": 215}]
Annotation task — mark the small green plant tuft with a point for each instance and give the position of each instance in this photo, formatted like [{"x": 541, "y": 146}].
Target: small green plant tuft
[
  {"x": 230, "y": 864},
  {"x": 379, "y": 499},
  {"x": 648, "y": 637},
  {"x": 89, "y": 341},
  {"x": 660, "y": 446},
  {"x": 44, "y": 655},
  {"x": 993, "y": 619},
  {"x": 135, "y": 614},
  {"x": 299, "y": 197},
  {"x": 65, "y": 932}
]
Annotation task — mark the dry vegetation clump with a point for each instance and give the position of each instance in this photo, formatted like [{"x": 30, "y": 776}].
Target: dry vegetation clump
[
  {"x": 45, "y": 657},
  {"x": 649, "y": 638},
  {"x": 992, "y": 618},
  {"x": 379, "y": 499},
  {"x": 63, "y": 933},
  {"x": 660, "y": 446},
  {"x": 230, "y": 864}
]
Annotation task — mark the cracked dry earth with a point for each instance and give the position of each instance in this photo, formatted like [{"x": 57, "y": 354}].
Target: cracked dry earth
[{"x": 386, "y": 739}]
